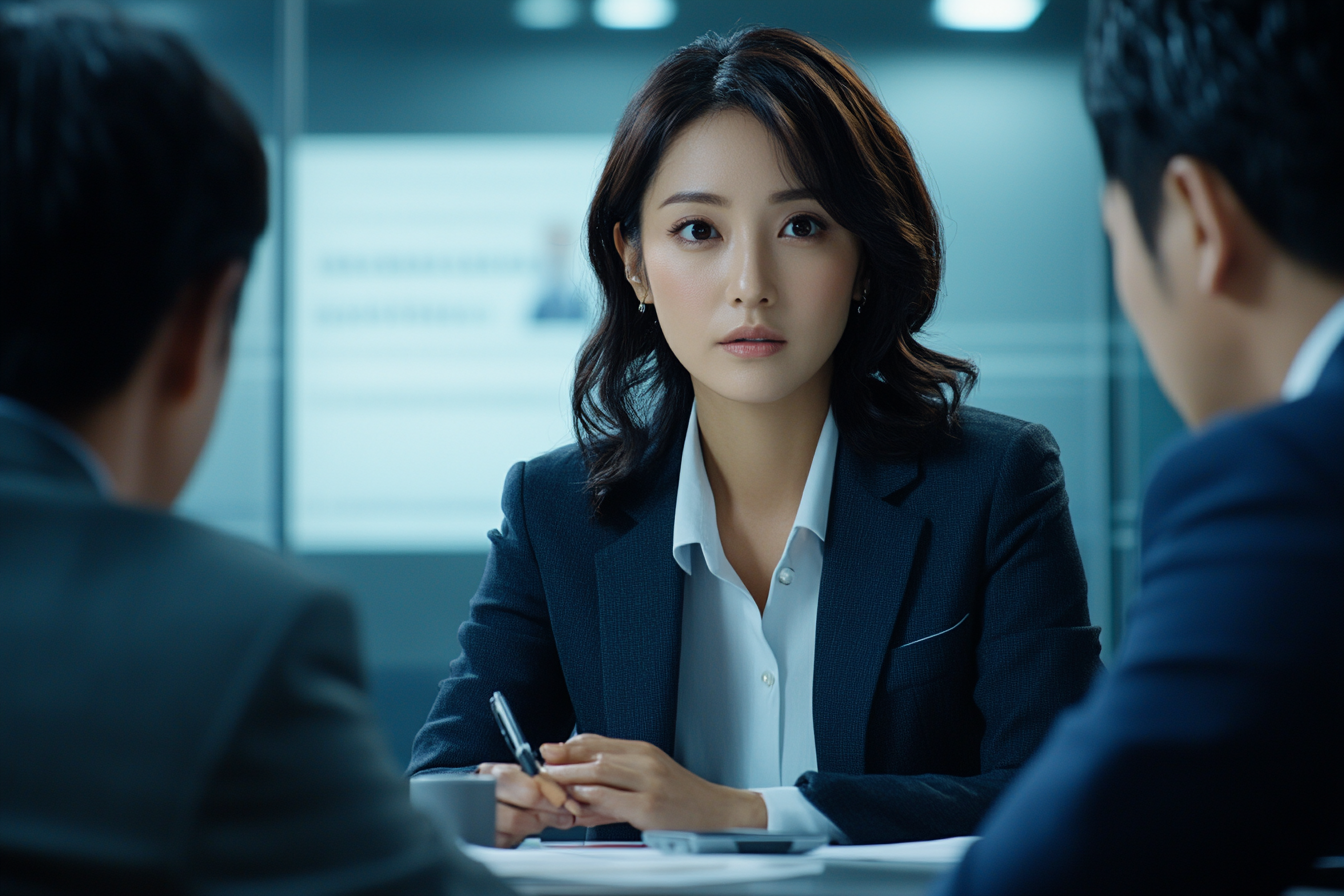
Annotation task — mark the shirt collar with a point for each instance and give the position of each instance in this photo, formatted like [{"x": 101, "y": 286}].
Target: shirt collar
[
  {"x": 695, "y": 522},
  {"x": 1314, "y": 354},
  {"x": 55, "y": 431}
]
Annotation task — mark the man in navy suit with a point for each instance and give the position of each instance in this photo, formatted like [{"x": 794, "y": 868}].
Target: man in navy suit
[{"x": 1209, "y": 760}]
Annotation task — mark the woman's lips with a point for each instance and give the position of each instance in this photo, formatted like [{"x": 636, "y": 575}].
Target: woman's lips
[
  {"x": 754, "y": 342},
  {"x": 754, "y": 348}
]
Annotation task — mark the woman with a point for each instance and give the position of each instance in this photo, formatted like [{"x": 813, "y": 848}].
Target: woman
[{"x": 784, "y": 579}]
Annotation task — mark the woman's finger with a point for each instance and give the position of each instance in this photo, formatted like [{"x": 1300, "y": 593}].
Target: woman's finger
[
  {"x": 587, "y": 816},
  {"x": 514, "y": 787},
  {"x": 554, "y": 793},
  {"x": 609, "y": 802},
  {"x": 513, "y": 824},
  {"x": 583, "y": 748},
  {"x": 624, "y": 772}
]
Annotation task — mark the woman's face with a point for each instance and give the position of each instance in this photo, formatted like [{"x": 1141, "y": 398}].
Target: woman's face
[{"x": 751, "y": 279}]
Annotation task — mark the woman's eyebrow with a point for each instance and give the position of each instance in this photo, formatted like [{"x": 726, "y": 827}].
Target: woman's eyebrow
[
  {"x": 695, "y": 196},
  {"x": 702, "y": 198},
  {"x": 792, "y": 195}
]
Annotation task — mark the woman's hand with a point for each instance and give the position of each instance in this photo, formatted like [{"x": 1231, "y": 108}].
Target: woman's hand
[
  {"x": 635, "y": 782},
  {"x": 521, "y": 808}
]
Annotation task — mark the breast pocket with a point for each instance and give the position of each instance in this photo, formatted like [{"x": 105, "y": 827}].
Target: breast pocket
[{"x": 941, "y": 654}]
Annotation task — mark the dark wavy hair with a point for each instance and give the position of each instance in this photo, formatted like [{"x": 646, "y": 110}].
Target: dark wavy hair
[{"x": 890, "y": 395}]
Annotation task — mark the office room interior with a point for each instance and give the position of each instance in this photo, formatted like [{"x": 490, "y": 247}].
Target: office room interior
[{"x": 410, "y": 325}]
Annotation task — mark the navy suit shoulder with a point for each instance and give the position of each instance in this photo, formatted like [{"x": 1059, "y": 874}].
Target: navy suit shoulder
[
  {"x": 552, "y": 493},
  {"x": 1290, "y": 449},
  {"x": 1216, "y": 735}
]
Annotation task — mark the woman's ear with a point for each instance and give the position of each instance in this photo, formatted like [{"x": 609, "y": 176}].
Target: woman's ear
[
  {"x": 630, "y": 255},
  {"x": 862, "y": 281}
]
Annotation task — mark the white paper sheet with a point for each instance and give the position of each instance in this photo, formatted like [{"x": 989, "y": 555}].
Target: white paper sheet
[
  {"x": 633, "y": 868},
  {"x": 922, "y": 852}
]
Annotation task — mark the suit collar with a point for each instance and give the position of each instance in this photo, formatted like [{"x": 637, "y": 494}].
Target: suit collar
[
  {"x": 33, "y": 444},
  {"x": 880, "y": 480},
  {"x": 1314, "y": 356},
  {"x": 695, "y": 523},
  {"x": 1332, "y": 377},
  {"x": 639, "y": 597},
  {"x": 865, "y": 572}
]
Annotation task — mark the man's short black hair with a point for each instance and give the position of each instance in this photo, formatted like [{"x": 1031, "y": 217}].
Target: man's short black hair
[
  {"x": 127, "y": 174},
  {"x": 1254, "y": 88}
]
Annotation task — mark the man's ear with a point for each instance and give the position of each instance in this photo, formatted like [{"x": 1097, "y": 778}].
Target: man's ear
[
  {"x": 199, "y": 331},
  {"x": 1222, "y": 230}
]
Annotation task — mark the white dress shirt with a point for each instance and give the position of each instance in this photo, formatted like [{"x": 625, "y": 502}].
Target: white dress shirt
[
  {"x": 12, "y": 409},
  {"x": 1314, "y": 354},
  {"x": 744, "y": 698}
]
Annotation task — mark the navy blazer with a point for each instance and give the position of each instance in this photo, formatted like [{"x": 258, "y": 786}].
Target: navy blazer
[
  {"x": 919, "y": 721},
  {"x": 1209, "y": 760}
]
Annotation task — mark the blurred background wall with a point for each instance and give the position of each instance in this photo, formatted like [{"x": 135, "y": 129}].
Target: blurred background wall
[{"x": 410, "y": 322}]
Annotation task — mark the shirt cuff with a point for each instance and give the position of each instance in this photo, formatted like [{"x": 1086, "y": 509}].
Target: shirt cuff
[{"x": 787, "y": 811}]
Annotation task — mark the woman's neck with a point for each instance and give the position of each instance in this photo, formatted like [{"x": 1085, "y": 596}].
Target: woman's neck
[{"x": 757, "y": 457}]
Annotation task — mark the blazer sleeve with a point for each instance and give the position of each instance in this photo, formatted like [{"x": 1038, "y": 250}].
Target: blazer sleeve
[
  {"x": 1037, "y": 654},
  {"x": 507, "y": 646},
  {"x": 1208, "y": 760},
  {"x": 303, "y": 796}
]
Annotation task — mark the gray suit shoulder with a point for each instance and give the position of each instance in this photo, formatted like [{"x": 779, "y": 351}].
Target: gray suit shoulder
[
  {"x": 225, "y": 573},
  {"x": 214, "y": 606},
  {"x": 150, "y": 636}
]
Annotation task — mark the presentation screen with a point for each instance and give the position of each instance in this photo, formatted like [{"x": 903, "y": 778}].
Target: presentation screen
[{"x": 438, "y": 297}]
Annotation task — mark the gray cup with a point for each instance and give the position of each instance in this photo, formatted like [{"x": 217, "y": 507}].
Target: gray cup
[{"x": 460, "y": 806}]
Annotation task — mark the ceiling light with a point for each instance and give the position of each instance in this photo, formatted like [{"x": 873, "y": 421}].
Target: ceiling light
[
  {"x": 987, "y": 15},
  {"x": 546, "y": 15},
  {"x": 627, "y": 14}
]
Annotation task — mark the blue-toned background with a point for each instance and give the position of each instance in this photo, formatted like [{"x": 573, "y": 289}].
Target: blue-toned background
[{"x": 384, "y": 324}]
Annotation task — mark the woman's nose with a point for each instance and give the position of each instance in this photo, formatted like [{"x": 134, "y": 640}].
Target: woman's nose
[{"x": 752, "y": 284}]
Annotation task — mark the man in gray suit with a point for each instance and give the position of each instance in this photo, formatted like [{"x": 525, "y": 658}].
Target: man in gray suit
[{"x": 178, "y": 710}]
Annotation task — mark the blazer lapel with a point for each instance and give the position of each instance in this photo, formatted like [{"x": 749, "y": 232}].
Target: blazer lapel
[
  {"x": 639, "y": 597},
  {"x": 865, "y": 567}
]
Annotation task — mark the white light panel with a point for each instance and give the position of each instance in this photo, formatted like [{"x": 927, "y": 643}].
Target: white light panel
[
  {"x": 987, "y": 15},
  {"x": 634, "y": 14},
  {"x": 546, "y": 15},
  {"x": 438, "y": 299}
]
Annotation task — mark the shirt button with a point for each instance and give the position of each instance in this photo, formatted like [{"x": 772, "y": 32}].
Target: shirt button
[
  {"x": 767, "y": 679},
  {"x": 785, "y": 576}
]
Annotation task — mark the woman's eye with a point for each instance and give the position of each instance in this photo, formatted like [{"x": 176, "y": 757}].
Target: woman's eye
[
  {"x": 697, "y": 231},
  {"x": 802, "y": 226}
]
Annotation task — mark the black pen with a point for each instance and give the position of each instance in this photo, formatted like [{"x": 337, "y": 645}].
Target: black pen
[{"x": 527, "y": 758}]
